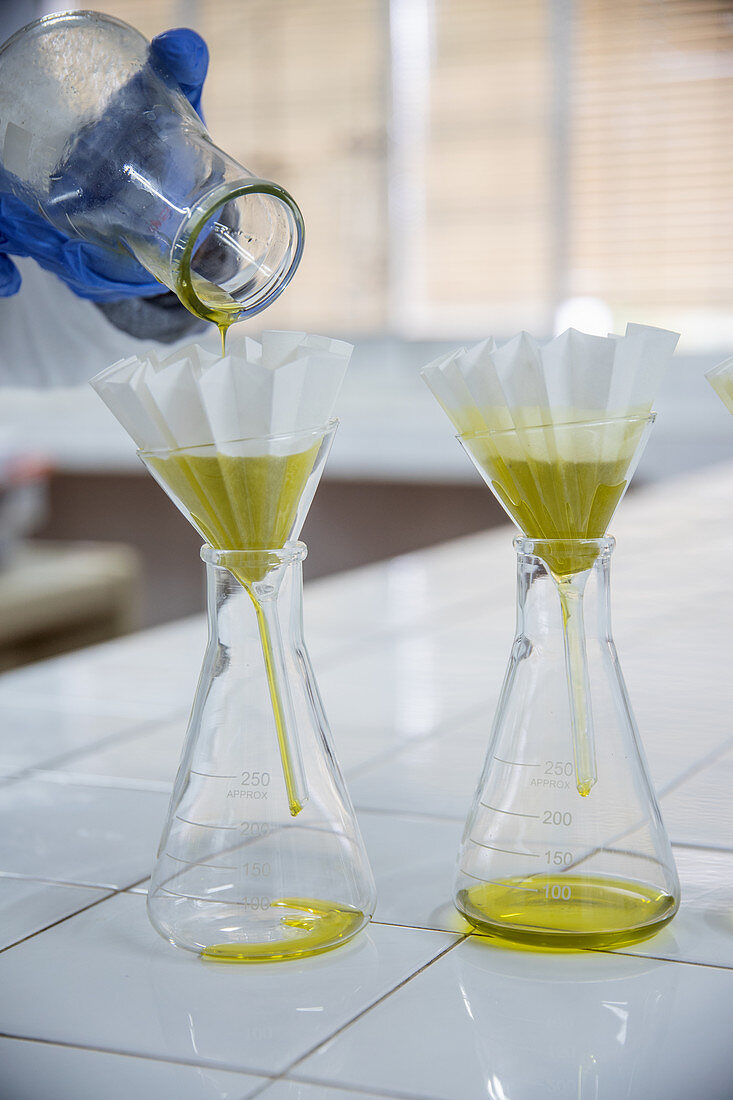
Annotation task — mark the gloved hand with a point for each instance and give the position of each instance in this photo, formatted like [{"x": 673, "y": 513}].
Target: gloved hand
[{"x": 89, "y": 270}]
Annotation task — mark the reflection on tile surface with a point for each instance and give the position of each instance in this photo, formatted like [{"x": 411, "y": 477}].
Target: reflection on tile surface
[
  {"x": 485, "y": 1022},
  {"x": 107, "y": 980},
  {"x": 31, "y": 1070}
]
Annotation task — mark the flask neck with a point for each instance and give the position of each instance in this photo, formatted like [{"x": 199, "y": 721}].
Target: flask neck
[
  {"x": 252, "y": 578},
  {"x": 542, "y": 591}
]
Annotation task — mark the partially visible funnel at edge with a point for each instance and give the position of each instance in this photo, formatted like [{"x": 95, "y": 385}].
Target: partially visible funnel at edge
[{"x": 721, "y": 379}]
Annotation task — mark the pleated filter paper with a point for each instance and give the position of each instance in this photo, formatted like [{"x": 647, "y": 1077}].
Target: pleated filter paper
[
  {"x": 555, "y": 430},
  {"x": 233, "y": 440}
]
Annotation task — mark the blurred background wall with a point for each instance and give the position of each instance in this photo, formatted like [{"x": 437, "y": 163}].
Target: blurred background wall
[{"x": 465, "y": 167}]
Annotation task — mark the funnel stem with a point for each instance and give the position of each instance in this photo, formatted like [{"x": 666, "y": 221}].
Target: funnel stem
[
  {"x": 282, "y": 706},
  {"x": 576, "y": 666}
]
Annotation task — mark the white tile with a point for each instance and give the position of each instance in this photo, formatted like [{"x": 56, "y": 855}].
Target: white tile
[
  {"x": 441, "y": 582},
  {"x": 702, "y": 930},
  {"x": 31, "y": 733},
  {"x": 151, "y": 673},
  {"x": 27, "y": 906},
  {"x": 70, "y": 685},
  {"x": 413, "y": 860},
  {"x": 485, "y": 1022},
  {"x": 151, "y": 755},
  {"x": 702, "y": 870},
  {"x": 97, "y": 836},
  {"x": 30, "y": 1070},
  {"x": 416, "y": 682},
  {"x": 356, "y": 748},
  {"x": 700, "y": 810},
  {"x": 435, "y": 776},
  {"x": 298, "y": 1090},
  {"x": 107, "y": 980}
]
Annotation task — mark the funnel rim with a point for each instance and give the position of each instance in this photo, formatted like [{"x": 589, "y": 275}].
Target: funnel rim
[
  {"x": 601, "y": 421},
  {"x": 322, "y": 430}
]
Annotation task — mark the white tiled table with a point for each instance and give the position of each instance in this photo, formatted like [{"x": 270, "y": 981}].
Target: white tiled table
[{"x": 410, "y": 655}]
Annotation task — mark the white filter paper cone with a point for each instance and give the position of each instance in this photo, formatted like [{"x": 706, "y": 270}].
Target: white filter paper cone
[
  {"x": 192, "y": 398},
  {"x": 575, "y": 378}
]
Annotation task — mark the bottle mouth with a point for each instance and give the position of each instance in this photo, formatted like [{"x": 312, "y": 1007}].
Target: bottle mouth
[
  {"x": 66, "y": 19},
  {"x": 238, "y": 250}
]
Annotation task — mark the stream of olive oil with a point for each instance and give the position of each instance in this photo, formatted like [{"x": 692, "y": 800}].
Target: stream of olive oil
[
  {"x": 250, "y": 503},
  {"x": 566, "y": 912}
]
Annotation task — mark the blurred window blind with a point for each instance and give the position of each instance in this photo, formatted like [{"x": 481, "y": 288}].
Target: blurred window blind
[
  {"x": 298, "y": 92},
  {"x": 651, "y": 167},
  {"x": 467, "y": 166}
]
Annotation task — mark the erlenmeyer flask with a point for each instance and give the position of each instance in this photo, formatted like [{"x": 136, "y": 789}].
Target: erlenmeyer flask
[
  {"x": 540, "y": 864},
  {"x": 239, "y": 877}
]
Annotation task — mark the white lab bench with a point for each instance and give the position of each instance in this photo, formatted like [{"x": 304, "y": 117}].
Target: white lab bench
[{"x": 409, "y": 656}]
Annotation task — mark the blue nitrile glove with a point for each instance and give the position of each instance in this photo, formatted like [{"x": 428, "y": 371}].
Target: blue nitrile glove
[{"x": 89, "y": 270}]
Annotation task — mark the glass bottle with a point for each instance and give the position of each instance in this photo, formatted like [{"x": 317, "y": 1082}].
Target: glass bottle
[
  {"x": 125, "y": 162},
  {"x": 540, "y": 864},
  {"x": 239, "y": 876}
]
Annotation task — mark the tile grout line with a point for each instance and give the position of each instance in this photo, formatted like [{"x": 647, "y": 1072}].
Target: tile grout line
[
  {"x": 695, "y": 768},
  {"x": 49, "y": 764},
  {"x": 662, "y": 958},
  {"x": 461, "y": 937},
  {"x": 111, "y": 892},
  {"x": 54, "y": 924},
  {"x": 224, "y": 1066}
]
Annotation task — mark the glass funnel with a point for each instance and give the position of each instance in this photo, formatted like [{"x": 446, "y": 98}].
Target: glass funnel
[
  {"x": 253, "y": 494},
  {"x": 239, "y": 878},
  {"x": 539, "y": 865},
  {"x": 98, "y": 137},
  {"x": 562, "y": 482}
]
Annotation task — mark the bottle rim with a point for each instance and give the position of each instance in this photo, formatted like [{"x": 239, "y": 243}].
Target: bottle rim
[{"x": 71, "y": 17}]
